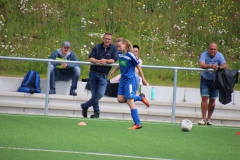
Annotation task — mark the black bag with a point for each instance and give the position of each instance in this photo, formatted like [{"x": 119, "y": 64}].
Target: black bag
[
  {"x": 111, "y": 89},
  {"x": 224, "y": 82}
]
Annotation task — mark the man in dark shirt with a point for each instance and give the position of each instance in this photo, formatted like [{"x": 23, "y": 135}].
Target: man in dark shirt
[{"x": 104, "y": 53}]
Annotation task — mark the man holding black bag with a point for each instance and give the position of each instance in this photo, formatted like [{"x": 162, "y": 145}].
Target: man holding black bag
[{"x": 210, "y": 59}]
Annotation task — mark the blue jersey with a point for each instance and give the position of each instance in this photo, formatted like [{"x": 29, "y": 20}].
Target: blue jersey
[
  {"x": 217, "y": 59},
  {"x": 127, "y": 63}
]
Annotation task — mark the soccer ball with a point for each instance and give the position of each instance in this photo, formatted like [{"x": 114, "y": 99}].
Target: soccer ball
[{"x": 186, "y": 125}]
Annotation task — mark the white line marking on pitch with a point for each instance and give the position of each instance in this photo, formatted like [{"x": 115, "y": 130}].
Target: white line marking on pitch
[{"x": 76, "y": 152}]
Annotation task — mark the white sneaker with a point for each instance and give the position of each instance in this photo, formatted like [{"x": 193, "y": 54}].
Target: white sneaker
[
  {"x": 202, "y": 122},
  {"x": 209, "y": 122}
]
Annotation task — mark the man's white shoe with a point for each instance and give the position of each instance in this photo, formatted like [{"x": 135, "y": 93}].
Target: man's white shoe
[
  {"x": 202, "y": 122},
  {"x": 209, "y": 122}
]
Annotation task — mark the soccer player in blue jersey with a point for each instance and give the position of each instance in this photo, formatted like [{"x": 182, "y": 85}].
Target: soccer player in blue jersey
[{"x": 127, "y": 85}]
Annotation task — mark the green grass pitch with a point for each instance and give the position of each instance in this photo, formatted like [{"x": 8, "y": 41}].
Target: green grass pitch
[{"x": 27, "y": 137}]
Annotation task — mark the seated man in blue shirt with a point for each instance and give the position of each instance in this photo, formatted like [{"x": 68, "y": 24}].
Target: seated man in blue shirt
[{"x": 64, "y": 71}]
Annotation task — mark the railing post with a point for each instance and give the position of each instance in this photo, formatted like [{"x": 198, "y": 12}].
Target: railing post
[
  {"x": 174, "y": 94},
  {"x": 47, "y": 90}
]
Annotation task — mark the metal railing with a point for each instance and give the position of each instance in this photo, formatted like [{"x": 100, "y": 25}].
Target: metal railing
[{"x": 48, "y": 61}]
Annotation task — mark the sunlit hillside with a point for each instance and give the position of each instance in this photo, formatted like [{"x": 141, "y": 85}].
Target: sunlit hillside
[{"x": 169, "y": 32}]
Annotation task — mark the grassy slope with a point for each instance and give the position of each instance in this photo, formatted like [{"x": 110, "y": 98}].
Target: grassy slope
[{"x": 170, "y": 33}]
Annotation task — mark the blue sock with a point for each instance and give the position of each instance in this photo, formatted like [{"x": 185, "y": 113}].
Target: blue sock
[
  {"x": 137, "y": 98},
  {"x": 135, "y": 117}
]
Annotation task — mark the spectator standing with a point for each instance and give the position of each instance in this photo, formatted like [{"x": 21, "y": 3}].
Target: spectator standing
[
  {"x": 138, "y": 78},
  {"x": 64, "y": 71},
  {"x": 211, "y": 59},
  {"x": 104, "y": 53}
]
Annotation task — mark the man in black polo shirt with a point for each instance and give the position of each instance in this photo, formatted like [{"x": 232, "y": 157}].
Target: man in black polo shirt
[{"x": 104, "y": 53}]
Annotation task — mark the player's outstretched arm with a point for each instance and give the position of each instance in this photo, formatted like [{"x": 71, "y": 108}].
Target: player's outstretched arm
[{"x": 114, "y": 70}]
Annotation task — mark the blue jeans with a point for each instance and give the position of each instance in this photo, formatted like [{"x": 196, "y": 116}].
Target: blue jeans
[
  {"x": 208, "y": 89},
  {"x": 98, "y": 83},
  {"x": 64, "y": 75}
]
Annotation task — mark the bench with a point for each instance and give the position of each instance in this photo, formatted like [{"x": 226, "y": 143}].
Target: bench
[{"x": 187, "y": 103}]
